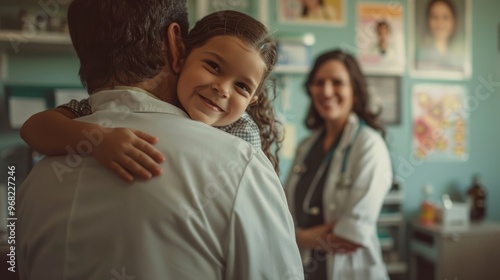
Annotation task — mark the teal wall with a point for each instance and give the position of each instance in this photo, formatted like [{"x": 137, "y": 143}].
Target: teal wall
[
  {"x": 484, "y": 131},
  {"x": 484, "y": 153},
  {"x": 36, "y": 69}
]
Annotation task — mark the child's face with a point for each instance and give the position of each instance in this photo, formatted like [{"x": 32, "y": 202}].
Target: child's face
[{"x": 219, "y": 79}]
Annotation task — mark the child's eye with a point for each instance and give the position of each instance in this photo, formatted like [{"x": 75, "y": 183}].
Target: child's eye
[
  {"x": 244, "y": 87},
  {"x": 213, "y": 65}
]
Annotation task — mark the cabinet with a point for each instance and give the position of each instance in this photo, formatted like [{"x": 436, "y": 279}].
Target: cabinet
[
  {"x": 391, "y": 232},
  {"x": 30, "y": 25},
  {"x": 468, "y": 255}
]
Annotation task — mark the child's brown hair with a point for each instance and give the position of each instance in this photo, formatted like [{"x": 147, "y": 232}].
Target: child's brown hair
[{"x": 257, "y": 36}]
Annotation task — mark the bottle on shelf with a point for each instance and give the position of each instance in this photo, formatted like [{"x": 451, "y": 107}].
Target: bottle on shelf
[
  {"x": 427, "y": 210},
  {"x": 477, "y": 199}
]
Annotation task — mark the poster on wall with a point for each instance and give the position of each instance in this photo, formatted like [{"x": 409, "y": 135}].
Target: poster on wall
[
  {"x": 440, "y": 122},
  {"x": 385, "y": 98},
  {"x": 200, "y": 8},
  {"x": 380, "y": 38},
  {"x": 322, "y": 12},
  {"x": 441, "y": 39}
]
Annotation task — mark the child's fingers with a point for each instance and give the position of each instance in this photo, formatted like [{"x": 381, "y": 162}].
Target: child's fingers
[
  {"x": 145, "y": 161},
  {"x": 120, "y": 171},
  {"x": 145, "y": 136},
  {"x": 134, "y": 167},
  {"x": 150, "y": 151}
]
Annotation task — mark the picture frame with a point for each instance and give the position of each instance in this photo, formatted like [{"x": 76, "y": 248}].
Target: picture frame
[
  {"x": 440, "y": 122},
  {"x": 323, "y": 12},
  {"x": 380, "y": 38},
  {"x": 294, "y": 52},
  {"x": 440, "y": 49},
  {"x": 257, "y": 9},
  {"x": 385, "y": 97}
]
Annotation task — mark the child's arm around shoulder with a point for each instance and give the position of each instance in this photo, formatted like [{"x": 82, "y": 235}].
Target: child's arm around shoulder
[{"x": 124, "y": 151}]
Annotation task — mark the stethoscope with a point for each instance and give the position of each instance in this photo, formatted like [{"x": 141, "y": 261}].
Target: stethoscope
[{"x": 343, "y": 182}]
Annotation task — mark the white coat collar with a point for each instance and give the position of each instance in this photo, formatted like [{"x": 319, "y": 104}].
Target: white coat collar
[
  {"x": 348, "y": 133},
  {"x": 129, "y": 100},
  {"x": 347, "y": 139}
]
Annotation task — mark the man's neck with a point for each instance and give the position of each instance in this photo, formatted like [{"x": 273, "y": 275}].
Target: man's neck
[{"x": 161, "y": 87}]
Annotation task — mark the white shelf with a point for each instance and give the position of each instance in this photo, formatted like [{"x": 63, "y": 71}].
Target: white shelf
[
  {"x": 396, "y": 267},
  {"x": 386, "y": 243},
  {"x": 394, "y": 197},
  {"x": 390, "y": 219},
  {"x": 291, "y": 69},
  {"x": 15, "y": 41},
  {"x": 390, "y": 224}
]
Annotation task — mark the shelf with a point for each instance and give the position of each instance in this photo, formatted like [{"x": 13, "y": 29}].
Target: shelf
[
  {"x": 394, "y": 197},
  {"x": 390, "y": 226},
  {"x": 386, "y": 244},
  {"x": 21, "y": 2},
  {"x": 396, "y": 267},
  {"x": 15, "y": 41},
  {"x": 390, "y": 219},
  {"x": 291, "y": 69}
]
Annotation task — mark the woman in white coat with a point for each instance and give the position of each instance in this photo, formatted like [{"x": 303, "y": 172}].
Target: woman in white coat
[{"x": 340, "y": 176}]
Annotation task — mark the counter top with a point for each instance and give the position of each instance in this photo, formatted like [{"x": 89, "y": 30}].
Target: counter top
[{"x": 475, "y": 228}]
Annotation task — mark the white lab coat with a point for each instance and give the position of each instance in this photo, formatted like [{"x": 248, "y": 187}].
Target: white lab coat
[
  {"x": 354, "y": 209},
  {"x": 218, "y": 211}
]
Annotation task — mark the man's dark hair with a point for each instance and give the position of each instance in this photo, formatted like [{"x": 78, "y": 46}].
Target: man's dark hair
[{"x": 121, "y": 40}]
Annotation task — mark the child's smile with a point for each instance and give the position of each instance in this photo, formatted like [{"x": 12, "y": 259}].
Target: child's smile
[{"x": 219, "y": 80}]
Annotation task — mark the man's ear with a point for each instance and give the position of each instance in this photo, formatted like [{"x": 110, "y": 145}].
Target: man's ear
[{"x": 176, "y": 48}]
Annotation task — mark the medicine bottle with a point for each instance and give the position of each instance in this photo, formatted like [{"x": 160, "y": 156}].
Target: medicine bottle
[
  {"x": 427, "y": 210},
  {"x": 477, "y": 200}
]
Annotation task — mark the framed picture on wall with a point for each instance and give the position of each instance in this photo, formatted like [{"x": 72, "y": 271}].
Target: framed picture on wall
[
  {"x": 380, "y": 38},
  {"x": 385, "y": 97},
  {"x": 257, "y": 9},
  {"x": 440, "y": 122},
  {"x": 441, "y": 39},
  {"x": 317, "y": 12}
]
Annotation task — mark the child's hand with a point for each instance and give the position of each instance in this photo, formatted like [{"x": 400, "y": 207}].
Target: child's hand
[{"x": 129, "y": 153}]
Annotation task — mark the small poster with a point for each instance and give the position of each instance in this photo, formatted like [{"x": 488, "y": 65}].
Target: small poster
[
  {"x": 380, "y": 38},
  {"x": 322, "y": 12},
  {"x": 385, "y": 98},
  {"x": 440, "y": 122}
]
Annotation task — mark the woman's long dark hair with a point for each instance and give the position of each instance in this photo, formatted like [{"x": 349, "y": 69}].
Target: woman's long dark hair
[
  {"x": 359, "y": 90},
  {"x": 257, "y": 36}
]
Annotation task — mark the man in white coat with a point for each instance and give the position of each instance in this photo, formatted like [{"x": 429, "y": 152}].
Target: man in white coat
[{"x": 218, "y": 211}]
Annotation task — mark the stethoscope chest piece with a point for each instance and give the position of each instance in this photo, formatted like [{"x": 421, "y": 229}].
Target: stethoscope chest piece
[
  {"x": 299, "y": 169},
  {"x": 343, "y": 182},
  {"x": 313, "y": 211}
]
